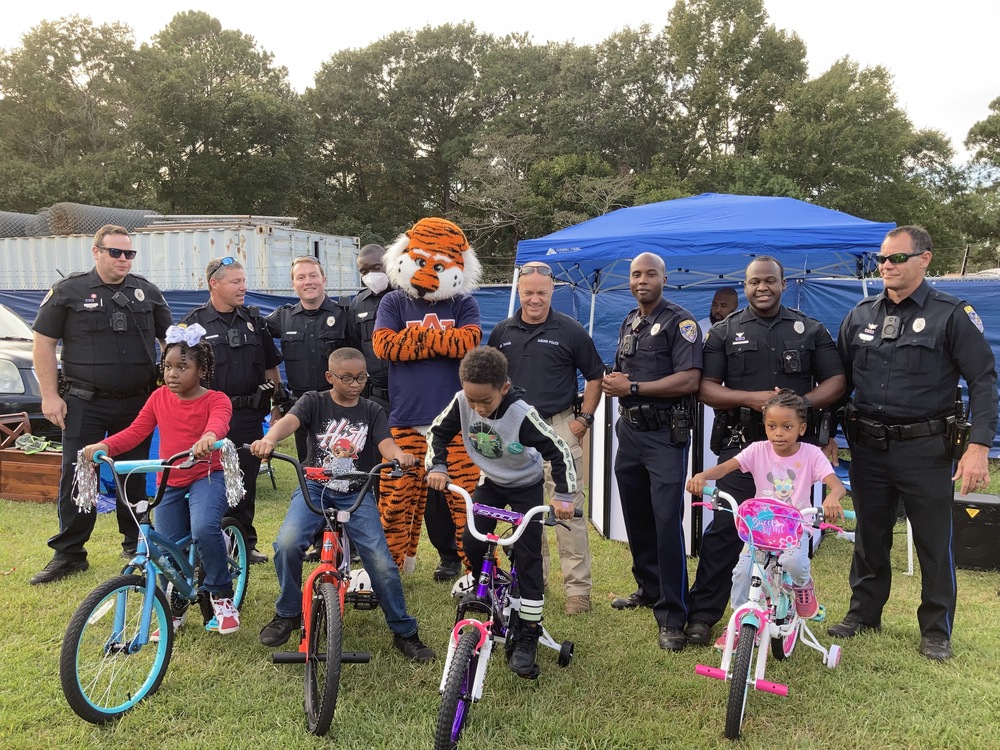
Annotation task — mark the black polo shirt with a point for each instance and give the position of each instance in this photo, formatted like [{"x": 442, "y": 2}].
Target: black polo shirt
[
  {"x": 360, "y": 327},
  {"x": 667, "y": 341},
  {"x": 81, "y": 310},
  {"x": 543, "y": 359},
  {"x": 914, "y": 376},
  {"x": 791, "y": 350},
  {"x": 307, "y": 338},
  {"x": 241, "y": 358}
]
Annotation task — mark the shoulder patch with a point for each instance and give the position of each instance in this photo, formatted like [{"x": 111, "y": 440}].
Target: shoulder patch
[
  {"x": 974, "y": 317},
  {"x": 689, "y": 330},
  {"x": 46, "y": 298}
]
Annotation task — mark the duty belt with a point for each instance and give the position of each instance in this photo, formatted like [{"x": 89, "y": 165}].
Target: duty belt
[
  {"x": 635, "y": 417},
  {"x": 878, "y": 430},
  {"x": 89, "y": 392},
  {"x": 243, "y": 402},
  {"x": 377, "y": 392}
]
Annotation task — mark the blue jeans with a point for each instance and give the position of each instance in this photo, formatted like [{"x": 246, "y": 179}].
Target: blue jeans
[
  {"x": 794, "y": 561},
  {"x": 365, "y": 532},
  {"x": 198, "y": 510}
]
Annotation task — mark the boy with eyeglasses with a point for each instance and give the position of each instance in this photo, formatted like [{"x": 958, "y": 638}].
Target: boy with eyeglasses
[{"x": 345, "y": 433}]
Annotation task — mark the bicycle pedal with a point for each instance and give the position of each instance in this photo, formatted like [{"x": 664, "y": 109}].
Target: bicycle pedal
[
  {"x": 363, "y": 600},
  {"x": 820, "y": 615}
]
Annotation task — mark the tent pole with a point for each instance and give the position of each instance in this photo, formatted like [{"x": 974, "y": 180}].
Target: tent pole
[{"x": 513, "y": 292}]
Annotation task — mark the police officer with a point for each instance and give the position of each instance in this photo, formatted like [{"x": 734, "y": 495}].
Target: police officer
[
  {"x": 761, "y": 348},
  {"x": 657, "y": 369},
  {"x": 544, "y": 350},
  {"x": 904, "y": 350},
  {"x": 245, "y": 359},
  {"x": 310, "y": 330},
  {"x": 108, "y": 320},
  {"x": 361, "y": 321}
]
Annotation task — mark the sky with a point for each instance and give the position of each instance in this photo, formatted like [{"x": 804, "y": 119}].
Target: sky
[{"x": 941, "y": 54}]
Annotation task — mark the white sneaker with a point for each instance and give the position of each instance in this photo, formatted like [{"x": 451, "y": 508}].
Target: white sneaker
[
  {"x": 227, "y": 617},
  {"x": 154, "y": 637},
  {"x": 409, "y": 564}
]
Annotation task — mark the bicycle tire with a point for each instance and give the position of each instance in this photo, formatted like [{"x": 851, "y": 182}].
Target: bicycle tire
[
  {"x": 739, "y": 684},
  {"x": 100, "y": 679},
  {"x": 324, "y": 647},
  {"x": 456, "y": 699},
  {"x": 236, "y": 554}
]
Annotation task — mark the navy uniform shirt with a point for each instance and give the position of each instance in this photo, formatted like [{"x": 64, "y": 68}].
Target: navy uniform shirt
[
  {"x": 791, "y": 350},
  {"x": 914, "y": 376},
  {"x": 667, "y": 341},
  {"x": 241, "y": 357},
  {"x": 360, "y": 327},
  {"x": 307, "y": 338},
  {"x": 543, "y": 359},
  {"x": 81, "y": 310}
]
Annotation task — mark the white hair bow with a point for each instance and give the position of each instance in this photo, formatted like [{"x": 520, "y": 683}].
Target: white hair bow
[{"x": 187, "y": 334}]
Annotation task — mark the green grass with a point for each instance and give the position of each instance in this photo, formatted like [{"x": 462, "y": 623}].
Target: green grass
[{"x": 621, "y": 690}]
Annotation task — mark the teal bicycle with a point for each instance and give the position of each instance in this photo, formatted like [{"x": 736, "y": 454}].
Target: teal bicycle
[{"x": 109, "y": 662}]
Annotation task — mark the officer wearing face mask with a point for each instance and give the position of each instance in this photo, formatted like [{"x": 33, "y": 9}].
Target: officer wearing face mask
[{"x": 361, "y": 321}]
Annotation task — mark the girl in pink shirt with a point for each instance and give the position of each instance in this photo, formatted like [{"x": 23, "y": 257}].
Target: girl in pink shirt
[
  {"x": 190, "y": 417},
  {"x": 783, "y": 469}
]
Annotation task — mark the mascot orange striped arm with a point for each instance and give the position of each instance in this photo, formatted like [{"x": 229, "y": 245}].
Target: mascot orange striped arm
[{"x": 423, "y": 329}]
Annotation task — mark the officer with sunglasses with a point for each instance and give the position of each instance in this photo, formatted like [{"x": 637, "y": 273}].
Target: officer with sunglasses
[
  {"x": 108, "y": 320},
  {"x": 246, "y": 370},
  {"x": 904, "y": 350}
]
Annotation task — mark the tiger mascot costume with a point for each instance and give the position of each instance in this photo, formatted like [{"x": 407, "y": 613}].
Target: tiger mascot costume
[{"x": 423, "y": 329}]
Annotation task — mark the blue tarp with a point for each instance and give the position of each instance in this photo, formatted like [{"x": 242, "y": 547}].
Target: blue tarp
[{"x": 708, "y": 238}]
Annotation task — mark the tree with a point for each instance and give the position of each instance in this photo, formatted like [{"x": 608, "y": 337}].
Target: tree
[
  {"x": 984, "y": 137},
  {"x": 218, "y": 129}
]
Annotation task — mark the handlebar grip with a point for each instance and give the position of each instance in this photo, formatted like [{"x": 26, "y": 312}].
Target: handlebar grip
[
  {"x": 709, "y": 491},
  {"x": 217, "y": 445},
  {"x": 98, "y": 456},
  {"x": 850, "y": 515}
]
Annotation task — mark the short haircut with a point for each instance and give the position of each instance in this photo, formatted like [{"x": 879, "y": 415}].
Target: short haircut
[
  {"x": 484, "y": 366},
  {"x": 106, "y": 230},
  {"x": 307, "y": 259},
  {"x": 215, "y": 267},
  {"x": 343, "y": 354},
  {"x": 790, "y": 400},
  {"x": 371, "y": 249},
  {"x": 767, "y": 259},
  {"x": 918, "y": 236},
  {"x": 726, "y": 291}
]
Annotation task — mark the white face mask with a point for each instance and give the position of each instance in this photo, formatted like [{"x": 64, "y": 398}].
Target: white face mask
[{"x": 376, "y": 281}]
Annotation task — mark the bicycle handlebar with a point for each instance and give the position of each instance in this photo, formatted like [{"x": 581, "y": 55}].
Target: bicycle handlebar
[
  {"x": 714, "y": 494},
  {"x": 518, "y": 520},
  {"x": 148, "y": 465},
  {"x": 370, "y": 477}
]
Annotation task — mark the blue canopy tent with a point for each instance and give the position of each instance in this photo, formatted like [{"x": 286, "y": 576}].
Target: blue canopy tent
[{"x": 708, "y": 238}]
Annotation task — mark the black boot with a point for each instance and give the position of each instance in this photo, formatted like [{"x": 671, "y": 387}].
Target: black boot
[{"x": 522, "y": 659}]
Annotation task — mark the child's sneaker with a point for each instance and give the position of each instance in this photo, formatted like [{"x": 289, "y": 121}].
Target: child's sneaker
[
  {"x": 227, "y": 617},
  {"x": 154, "y": 637},
  {"x": 720, "y": 644},
  {"x": 805, "y": 601}
]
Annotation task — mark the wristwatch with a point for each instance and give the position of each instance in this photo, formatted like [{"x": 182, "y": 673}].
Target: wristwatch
[
  {"x": 586, "y": 417},
  {"x": 634, "y": 389}
]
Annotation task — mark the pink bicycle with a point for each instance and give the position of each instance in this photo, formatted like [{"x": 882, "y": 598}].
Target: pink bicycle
[{"x": 769, "y": 527}]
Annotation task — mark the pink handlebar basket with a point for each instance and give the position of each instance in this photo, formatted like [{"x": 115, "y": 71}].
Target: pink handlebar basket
[{"x": 769, "y": 524}]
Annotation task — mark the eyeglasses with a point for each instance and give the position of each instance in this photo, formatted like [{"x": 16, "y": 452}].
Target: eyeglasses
[
  {"x": 543, "y": 270},
  {"x": 348, "y": 379},
  {"x": 116, "y": 252},
  {"x": 216, "y": 264},
  {"x": 897, "y": 258}
]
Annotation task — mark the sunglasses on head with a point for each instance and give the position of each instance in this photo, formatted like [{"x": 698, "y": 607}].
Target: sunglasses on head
[
  {"x": 220, "y": 263},
  {"x": 543, "y": 270},
  {"x": 897, "y": 258},
  {"x": 116, "y": 252}
]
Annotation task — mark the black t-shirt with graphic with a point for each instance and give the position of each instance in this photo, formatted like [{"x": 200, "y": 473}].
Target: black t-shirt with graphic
[{"x": 341, "y": 438}]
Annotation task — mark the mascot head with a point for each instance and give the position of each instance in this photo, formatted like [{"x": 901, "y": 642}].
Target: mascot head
[{"x": 433, "y": 261}]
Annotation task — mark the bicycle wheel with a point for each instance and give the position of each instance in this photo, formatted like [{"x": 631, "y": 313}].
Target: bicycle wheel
[
  {"x": 323, "y": 659},
  {"x": 103, "y": 672},
  {"x": 739, "y": 684},
  {"x": 456, "y": 700},
  {"x": 236, "y": 553}
]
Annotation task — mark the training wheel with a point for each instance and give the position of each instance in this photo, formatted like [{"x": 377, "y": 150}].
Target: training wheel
[
  {"x": 833, "y": 657},
  {"x": 565, "y": 654}
]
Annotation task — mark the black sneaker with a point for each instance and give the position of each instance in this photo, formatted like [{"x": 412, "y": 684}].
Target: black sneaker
[
  {"x": 128, "y": 553},
  {"x": 632, "y": 601},
  {"x": 672, "y": 639},
  {"x": 413, "y": 648},
  {"x": 522, "y": 658},
  {"x": 447, "y": 570},
  {"x": 57, "y": 569},
  {"x": 277, "y": 632},
  {"x": 255, "y": 556}
]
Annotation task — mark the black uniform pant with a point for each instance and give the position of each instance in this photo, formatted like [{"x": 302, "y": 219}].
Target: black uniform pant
[
  {"x": 89, "y": 422},
  {"x": 918, "y": 472},
  {"x": 526, "y": 553},
  {"x": 441, "y": 527},
  {"x": 246, "y": 426},
  {"x": 720, "y": 551},
  {"x": 650, "y": 469}
]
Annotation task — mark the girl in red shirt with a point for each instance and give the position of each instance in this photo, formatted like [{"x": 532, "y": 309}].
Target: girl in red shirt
[{"x": 190, "y": 417}]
